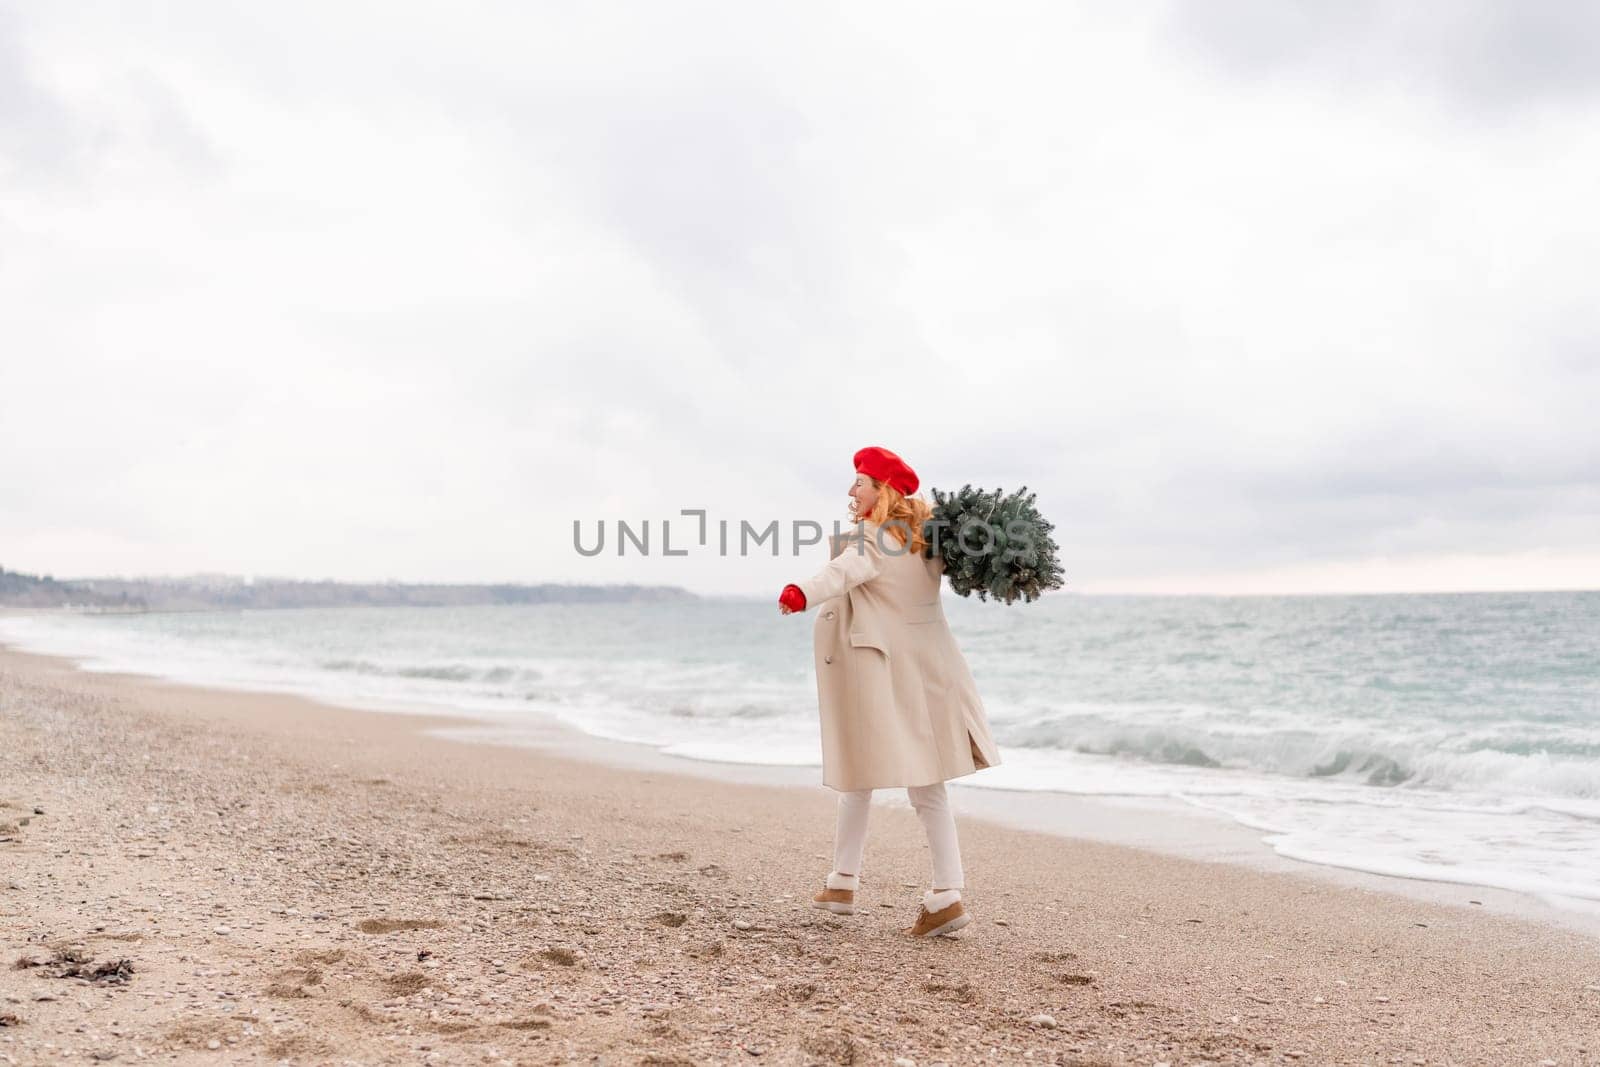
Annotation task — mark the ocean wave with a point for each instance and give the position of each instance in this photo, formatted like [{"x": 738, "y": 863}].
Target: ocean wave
[
  {"x": 1374, "y": 768},
  {"x": 446, "y": 673},
  {"x": 1438, "y": 759},
  {"x": 439, "y": 672},
  {"x": 350, "y": 666}
]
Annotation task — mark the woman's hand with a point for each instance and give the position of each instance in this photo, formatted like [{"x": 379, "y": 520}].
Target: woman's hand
[{"x": 791, "y": 599}]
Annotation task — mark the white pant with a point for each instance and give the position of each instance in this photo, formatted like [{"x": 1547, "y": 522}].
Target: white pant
[{"x": 933, "y": 808}]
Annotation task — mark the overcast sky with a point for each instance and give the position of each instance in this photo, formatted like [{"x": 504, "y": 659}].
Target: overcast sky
[{"x": 1266, "y": 296}]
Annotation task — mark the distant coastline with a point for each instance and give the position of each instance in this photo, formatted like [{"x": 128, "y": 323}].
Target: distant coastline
[{"x": 210, "y": 592}]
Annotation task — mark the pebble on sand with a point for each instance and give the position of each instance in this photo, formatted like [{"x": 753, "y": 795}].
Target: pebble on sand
[{"x": 1046, "y": 1021}]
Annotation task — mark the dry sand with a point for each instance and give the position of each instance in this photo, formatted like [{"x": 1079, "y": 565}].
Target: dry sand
[{"x": 189, "y": 875}]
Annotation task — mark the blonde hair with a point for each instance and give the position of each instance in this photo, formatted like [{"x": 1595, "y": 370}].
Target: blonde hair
[{"x": 903, "y": 515}]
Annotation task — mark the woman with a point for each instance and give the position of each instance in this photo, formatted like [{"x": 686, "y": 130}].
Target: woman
[{"x": 898, "y": 703}]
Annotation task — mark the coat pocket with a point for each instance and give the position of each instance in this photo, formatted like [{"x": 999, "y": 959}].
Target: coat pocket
[
  {"x": 865, "y": 639},
  {"x": 921, "y": 614}
]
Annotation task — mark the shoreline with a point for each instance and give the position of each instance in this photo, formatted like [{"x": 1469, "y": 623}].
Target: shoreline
[
  {"x": 292, "y": 880},
  {"x": 1159, "y": 824},
  {"x": 1163, "y": 824}
]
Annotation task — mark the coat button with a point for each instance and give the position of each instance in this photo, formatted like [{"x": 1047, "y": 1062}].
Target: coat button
[
  {"x": 829, "y": 615},
  {"x": 827, "y": 659}
]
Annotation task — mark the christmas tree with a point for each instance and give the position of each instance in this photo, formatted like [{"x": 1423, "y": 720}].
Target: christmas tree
[{"x": 995, "y": 544}]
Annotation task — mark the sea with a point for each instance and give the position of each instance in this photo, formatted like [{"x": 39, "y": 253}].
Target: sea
[{"x": 1452, "y": 737}]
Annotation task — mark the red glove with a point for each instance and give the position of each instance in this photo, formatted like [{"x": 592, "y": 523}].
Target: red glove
[{"x": 792, "y": 598}]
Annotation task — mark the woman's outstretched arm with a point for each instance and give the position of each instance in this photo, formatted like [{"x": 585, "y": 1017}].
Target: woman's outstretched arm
[{"x": 860, "y": 561}]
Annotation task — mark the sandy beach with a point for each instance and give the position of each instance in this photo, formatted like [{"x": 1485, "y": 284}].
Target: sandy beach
[{"x": 193, "y": 875}]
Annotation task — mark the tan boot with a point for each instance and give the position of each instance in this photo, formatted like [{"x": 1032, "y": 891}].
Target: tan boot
[
  {"x": 838, "y": 894},
  {"x": 941, "y": 914}
]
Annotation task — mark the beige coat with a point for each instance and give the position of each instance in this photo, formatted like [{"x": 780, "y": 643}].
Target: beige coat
[{"x": 898, "y": 703}]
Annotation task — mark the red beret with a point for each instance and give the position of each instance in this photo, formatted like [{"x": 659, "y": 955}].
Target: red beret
[{"x": 885, "y": 466}]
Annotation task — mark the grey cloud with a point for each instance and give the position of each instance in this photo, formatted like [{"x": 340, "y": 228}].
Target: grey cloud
[
  {"x": 1379, "y": 492},
  {"x": 49, "y": 143},
  {"x": 39, "y": 139},
  {"x": 1488, "y": 55},
  {"x": 708, "y": 182},
  {"x": 1415, "y": 468}
]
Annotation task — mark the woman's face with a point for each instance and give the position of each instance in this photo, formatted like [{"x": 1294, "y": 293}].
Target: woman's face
[{"x": 863, "y": 496}]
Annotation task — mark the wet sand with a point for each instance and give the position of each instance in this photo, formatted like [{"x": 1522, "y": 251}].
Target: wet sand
[{"x": 193, "y": 875}]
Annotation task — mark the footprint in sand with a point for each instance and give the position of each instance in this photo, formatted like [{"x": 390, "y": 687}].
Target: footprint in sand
[
  {"x": 407, "y": 983},
  {"x": 705, "y": 950},
  {"x": 389, "y": 926},
  {"x": 294, "y": 1046},
  {"x": 210, "y": 1033},
  {"x": 525, "y": 1024},
  {"x": 295, "y": 983},
  {"x": 961, "y": 992},
  {"x": 561, "y": 957}
]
